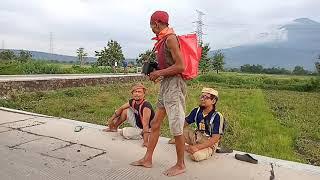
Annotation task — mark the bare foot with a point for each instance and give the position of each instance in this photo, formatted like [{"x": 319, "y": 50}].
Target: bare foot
[
  {"x": 143, "y": 163},
  {"x": 110, "y": 129},
  {"x": 175, "y": 170}
]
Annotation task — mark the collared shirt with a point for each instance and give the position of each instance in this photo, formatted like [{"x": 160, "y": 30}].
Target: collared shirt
[{"x": 203, "y": 122}]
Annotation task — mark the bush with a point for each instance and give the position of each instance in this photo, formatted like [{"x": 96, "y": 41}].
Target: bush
[
  {"x": 263, "y": 81},
  {"x": 37, "y": 67},
  {"x": 40, "y": 67}
]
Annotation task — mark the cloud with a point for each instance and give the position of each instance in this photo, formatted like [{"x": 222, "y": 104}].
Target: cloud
[{"x": 91, "y": 23}]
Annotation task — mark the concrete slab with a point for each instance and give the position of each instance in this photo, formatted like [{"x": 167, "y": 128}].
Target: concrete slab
[
  {"x": 15, "y": 138},
  {"x": 8, "y": 117},
  {"x": 4, "y": 129},
  {"x": 17, "y": 164},
  {"x": 65, "y": 162},
  {"x": 76, "y": 153},
  {"x": 44, "y": 145},
  {"x": 24, "y": 124}
]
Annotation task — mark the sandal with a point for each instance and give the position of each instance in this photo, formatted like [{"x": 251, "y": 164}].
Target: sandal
[
  {"x": 246, "y": 158},
  {"x": 78, "y": 128}
]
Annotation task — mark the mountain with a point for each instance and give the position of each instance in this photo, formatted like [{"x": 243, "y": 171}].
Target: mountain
[
  {"x": 47, "y": 56},
  {"x": 58, "y": 57},
  {"x": 300, "y": 47}
]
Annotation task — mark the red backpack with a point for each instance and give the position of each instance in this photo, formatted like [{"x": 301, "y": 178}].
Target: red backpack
[{"x": 191, "y": 53}]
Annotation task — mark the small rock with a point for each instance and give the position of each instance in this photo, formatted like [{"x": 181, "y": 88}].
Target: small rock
[
  {"x": 78, "y": 150},
  {"x": 113, "y": 139}
]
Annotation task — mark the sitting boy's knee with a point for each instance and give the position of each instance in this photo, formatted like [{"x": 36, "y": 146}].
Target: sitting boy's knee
[
  {"x": 155, "y": 125},
  {"x": 202, "y": 155},
  {"x": 197, "y": 157}
]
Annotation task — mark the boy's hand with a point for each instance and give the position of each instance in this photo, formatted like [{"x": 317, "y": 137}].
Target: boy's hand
[{"x": 154, "y": 75}]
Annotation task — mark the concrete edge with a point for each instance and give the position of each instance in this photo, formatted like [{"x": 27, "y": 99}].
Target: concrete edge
[
  {"x": 25, "y": 112},
  {"x": 262, "y": 159},
  {"x": 63, "y": 76}
]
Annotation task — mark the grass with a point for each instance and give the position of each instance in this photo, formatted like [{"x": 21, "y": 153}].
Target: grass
[
  {"x": 299, "y": 112},
  {"x": 277, "y": 123},
  {"x": 41, "y": 67},
  {"x": 282, "y": 82}
]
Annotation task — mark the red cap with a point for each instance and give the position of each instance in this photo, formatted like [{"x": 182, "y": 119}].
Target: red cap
[{"x": 160, "y": 16}]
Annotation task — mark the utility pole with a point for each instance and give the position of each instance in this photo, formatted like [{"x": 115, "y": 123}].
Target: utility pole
[
  {"x": 2, "y": 45},
  {"x": 51, "y": 43},
  {"x": 199, "y": 24}
]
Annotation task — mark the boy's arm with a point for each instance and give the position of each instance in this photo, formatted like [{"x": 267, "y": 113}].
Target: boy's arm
[
  {"x": 118, "y": 112},
  {"x": 145, "y": 119}
]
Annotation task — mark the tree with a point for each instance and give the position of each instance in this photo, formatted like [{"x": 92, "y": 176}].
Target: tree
[
  {"x": 318, "y": 64},
  {"x": 81, "y": 55},
  {"x": 205, "y": 61},
  {"x": 7, "y": 55},
  {"x": 298, "y": 70},
  {"x": 218, "y": 61},
  {"x": 24, "y": 56},
  {"x": 252, "y": 68},
  {"x": 146, "y": 56},
  {"x": 110, "y": 54}
]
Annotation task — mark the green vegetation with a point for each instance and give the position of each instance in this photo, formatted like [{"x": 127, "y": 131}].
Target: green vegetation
[
  {"x": 283, "y": 82},
  {"x": 40, "y": 67},
  {"x": 299, "y": 112},
  {"x": 262, "y": 120},
  {"x": 148, "y": 55},
  {"x": 81, "y": 54},
  {"x": 218, "y": 61},
  {"x": 259, "y": 69},
  {"x": 109, "y": 55},
  {"x": 205, "y": 64}
]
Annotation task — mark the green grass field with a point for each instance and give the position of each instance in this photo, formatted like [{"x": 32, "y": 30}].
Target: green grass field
[
  {"x": 40, "y": 67},
  {"x": 277, "y": 123}
]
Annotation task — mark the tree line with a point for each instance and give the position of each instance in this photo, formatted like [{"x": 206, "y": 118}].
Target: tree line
[
  {"x": 22, "y": 56},
  {"x": 112, "y": 55},
  {"x": 259, "y": 69}
]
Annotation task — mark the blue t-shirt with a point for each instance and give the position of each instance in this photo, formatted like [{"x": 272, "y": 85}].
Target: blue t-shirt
[{"x": 203, "y": 122}]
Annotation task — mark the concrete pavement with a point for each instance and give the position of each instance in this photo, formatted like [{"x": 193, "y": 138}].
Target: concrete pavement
[{"x": 36, "y": 147}]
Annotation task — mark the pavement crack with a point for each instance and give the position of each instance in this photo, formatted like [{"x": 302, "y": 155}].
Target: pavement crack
[
  {"x": 17, "y": 121},
  {"x": 92, "y": 147},
  {"x": 6, "y": 131},
  {"x": 47, "y": 155},
  {"x": 14, "y": 146},
  {"x": 91, "y": 157},
  {"x": 28, "y": 132},
  {"x": 70, "y": 144}
]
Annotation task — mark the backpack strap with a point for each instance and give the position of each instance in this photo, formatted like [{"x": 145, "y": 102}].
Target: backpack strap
[
  {"x": 211, "y": 120},
  {"x": 140, "y": 106},
  {"x": 195, "y": 117}
]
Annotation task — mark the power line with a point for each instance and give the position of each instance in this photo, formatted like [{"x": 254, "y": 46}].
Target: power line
[
  {"x": 51, "y": 43},
  {"x": 199, "y": 24}
]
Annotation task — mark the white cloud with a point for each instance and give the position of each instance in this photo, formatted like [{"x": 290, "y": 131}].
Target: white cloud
[{"x": 91, "y": 23}]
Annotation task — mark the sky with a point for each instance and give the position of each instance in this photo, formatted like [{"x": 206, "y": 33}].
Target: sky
[{"x": 92, "y": 23}]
